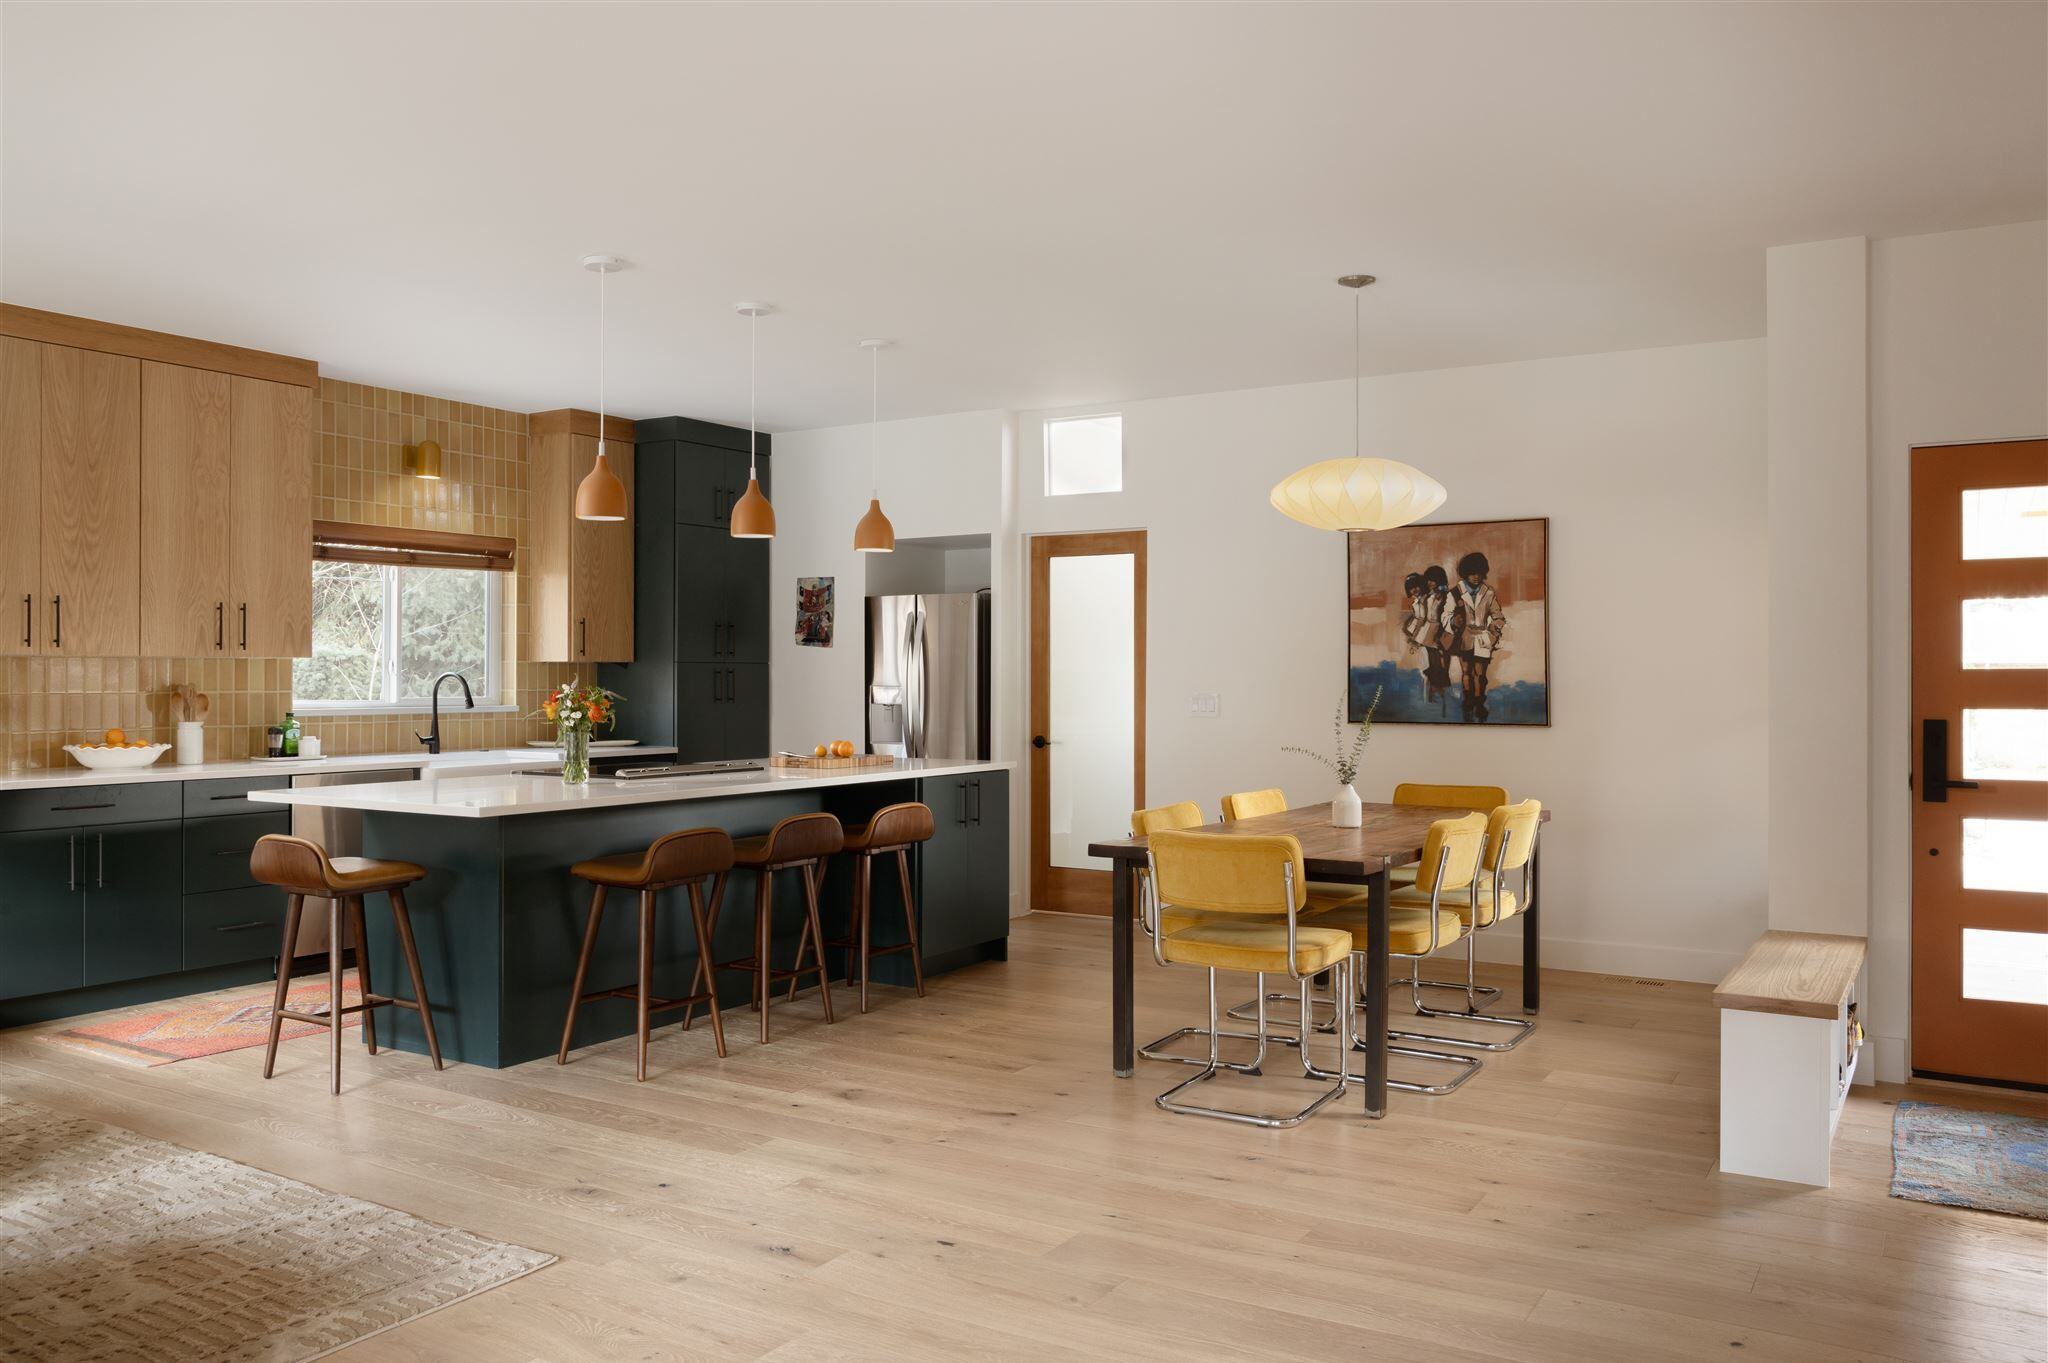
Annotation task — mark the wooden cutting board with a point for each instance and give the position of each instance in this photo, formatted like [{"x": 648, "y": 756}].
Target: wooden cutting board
[{"x": 832, "y": 763}]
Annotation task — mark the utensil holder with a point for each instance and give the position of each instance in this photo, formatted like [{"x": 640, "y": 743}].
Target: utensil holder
[{"x": 191, "y": 749}]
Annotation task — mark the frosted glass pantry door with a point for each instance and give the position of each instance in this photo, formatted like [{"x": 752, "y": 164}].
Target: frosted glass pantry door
[{"x": 1091, "y": 671}]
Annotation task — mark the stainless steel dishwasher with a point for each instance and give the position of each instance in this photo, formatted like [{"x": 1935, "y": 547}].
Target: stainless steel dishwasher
[{"x": 340, "y": 831}]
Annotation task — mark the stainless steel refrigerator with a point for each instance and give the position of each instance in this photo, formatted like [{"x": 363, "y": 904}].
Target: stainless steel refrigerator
[{"x": 928, "y": 675}]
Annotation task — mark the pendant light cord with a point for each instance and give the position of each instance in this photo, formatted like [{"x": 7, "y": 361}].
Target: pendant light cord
[
  {"x": 753, "y": 370},
  {"x": 600, "y": 361},
  {"x": 1357, "y": 368},
  {"x": 874, "y": 415}
]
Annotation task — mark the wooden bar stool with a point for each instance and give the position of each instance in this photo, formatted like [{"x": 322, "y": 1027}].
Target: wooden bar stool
[
  {"x": 800, "y": 842},
  {"x": 301, "y": 867},
  {"x": 896, "y": 828},
  {"x": 690, "y": 857}
]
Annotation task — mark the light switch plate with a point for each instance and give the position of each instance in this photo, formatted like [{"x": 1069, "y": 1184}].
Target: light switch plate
[{"x": 1205, "y": 705}]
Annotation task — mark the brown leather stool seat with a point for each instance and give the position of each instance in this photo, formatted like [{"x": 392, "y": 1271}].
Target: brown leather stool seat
[
  {"x": 800, "y": 842},
  {"x": 896, "y": 828},
  {"x": 302, "y": 868},
  {"x": 691, "y": 858}
]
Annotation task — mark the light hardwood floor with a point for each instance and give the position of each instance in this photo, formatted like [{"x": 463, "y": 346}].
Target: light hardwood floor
[{"x": 961, "y": 1177}]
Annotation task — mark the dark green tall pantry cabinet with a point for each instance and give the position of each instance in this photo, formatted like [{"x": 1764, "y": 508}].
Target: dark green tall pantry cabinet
[{"x": 699, "y": 675}]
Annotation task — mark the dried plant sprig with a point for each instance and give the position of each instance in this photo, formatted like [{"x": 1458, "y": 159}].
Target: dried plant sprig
[{"x": 1345, "y": 763}]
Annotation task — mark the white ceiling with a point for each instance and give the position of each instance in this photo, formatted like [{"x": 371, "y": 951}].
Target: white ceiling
[{"x": 1046, "y": 205}]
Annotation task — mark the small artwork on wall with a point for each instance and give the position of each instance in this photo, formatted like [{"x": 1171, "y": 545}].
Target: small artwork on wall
[
  {"x": 814, "y": 611},
  {"x": 1451, "y": 622}
]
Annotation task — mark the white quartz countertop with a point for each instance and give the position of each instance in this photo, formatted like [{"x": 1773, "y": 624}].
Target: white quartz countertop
[
  {"x": 495, "y": 796},
  {"x": 62, "y": 778}
]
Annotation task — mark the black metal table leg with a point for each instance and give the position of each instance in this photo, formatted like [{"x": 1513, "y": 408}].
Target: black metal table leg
[
  {"x": 1532, "y": 935},
  {"x": 1122, "y": 999},
  {"x": 1376, "y": 994}
]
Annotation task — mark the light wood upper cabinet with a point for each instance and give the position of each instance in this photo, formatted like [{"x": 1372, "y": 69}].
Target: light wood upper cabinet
[
  {"x": 581, "y": 571},
  {"x": 21, "y": 504},
  {"x": 91, "y": 500},
  {"x": 271, "y": 574},
  {"x": 185, "y": 521}
]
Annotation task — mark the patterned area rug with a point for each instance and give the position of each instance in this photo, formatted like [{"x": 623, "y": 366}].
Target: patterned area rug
[
  {"x": 115, "y": 1248},
  {"x": 231, "y": 1020},
  {"x": 1992, "y": 1161}
]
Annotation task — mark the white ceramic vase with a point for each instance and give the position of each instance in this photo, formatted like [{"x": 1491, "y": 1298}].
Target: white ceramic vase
[
  {"x": 1347, "y": 810},
  {"x": 191, "y": 749}
]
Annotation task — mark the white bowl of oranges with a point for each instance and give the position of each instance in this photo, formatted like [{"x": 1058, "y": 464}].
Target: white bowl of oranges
[{"x": 114, "y": 752}]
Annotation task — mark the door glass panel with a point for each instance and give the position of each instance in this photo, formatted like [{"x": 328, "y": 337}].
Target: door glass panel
[
  {"x": 2002, "y": 631},
  {"x": 2009, "y": 967},
  {"x": 2005, "y": 522},
  {"x": 2005, "y": 745},
  {"x": 1090, "y": 672},
  {"x": 2005, "y": 854}
]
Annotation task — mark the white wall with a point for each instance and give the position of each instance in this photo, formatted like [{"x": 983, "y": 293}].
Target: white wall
[
  {"x": 1650, "y": 466},
  {"x": 1958, "y": 352},
  {"x": 1817, "y": 446}
]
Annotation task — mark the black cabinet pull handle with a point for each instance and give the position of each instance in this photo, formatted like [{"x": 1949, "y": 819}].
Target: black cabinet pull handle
[
  {"x": 717, "y": 675},
  {"x": 961, "y": 789},
  {"x": 28, "y": 614},
  {"x": 583, "y": 636},
  {"x": 974, "y": 795},
  {"x": 239, "y": 795},
  {"x": 57, "y": 621},
  {"x": 242, "y": 927},
  {"x": 220, "y": 625},
  {"x": 234, "y": 851},
  {"x": 101, "y": 875},
  {"x": 245, "y": 627},
  {"x": 71, "y": 861},
  {"x": 66, "y": 809}
]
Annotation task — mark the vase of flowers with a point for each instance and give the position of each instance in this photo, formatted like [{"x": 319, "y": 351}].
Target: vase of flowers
[
  {"x": 1346, "y": 810},
  {"x": 575, "y": 709}
]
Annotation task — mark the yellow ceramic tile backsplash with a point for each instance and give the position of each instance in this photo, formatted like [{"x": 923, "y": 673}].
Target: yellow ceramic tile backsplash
[{"x": 358, "y": 476}]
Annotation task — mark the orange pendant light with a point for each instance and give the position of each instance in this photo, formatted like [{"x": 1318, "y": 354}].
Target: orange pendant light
[
  {"x": 601, "y": 496},
  {"x": 1357, "y": 493},
  {"x": 874, "y": 534},
  {"x": 752, "y": 517}
]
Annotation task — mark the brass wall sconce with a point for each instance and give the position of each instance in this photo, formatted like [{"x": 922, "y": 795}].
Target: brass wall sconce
[{"x": 424, "y": 460}]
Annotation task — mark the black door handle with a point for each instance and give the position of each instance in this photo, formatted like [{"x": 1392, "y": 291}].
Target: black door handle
[
  {"x": 961, "y": 788},
  {"x": 220, "y": 626},
  {"x": 245, "y": 627},
  {"x": 583, "y": 636},
  {"x": 28, "y": 614},
  {"x": 1934, "y": 782},
  {"x": 57, "y": 621},
  {"x": 1039, "y": 740}
]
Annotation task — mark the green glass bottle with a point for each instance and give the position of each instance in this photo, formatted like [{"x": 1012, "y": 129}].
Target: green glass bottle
[{"x": 291, "y": 734}]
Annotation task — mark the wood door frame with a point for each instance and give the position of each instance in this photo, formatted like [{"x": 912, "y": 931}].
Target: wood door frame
[
  {"x": 1062, "y": 889},
  {"x": 2002, "y": 1047}
]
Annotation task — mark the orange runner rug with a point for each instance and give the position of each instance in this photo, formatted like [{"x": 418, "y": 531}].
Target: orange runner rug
[{"x": 208, "y": 1024}]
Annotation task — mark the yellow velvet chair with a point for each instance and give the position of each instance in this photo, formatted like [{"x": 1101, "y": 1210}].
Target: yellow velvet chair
[
  {"x": 1477, "y": 799},
  {"x": 1434, "y": 913},
  {"x": 1252, "y": 893},
  {"x": 1508, "y": 852}
]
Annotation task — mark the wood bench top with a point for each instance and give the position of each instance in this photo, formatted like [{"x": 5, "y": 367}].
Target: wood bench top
[{"x": 1797, "y": 974}]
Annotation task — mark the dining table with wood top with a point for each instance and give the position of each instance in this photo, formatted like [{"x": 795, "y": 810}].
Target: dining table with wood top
[{"x": 1389, "y": 836}]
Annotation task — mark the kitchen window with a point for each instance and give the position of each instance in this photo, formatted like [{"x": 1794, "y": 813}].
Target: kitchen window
[
  {"x": 1084, "y": 454},
  {"x": 390, "y": 614}
]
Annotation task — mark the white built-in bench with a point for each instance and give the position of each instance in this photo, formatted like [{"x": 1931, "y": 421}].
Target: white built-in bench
[{"x": 1788, "y": 1053}]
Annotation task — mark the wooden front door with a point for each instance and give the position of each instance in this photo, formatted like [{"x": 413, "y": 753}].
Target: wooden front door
[
  {"x": 1087, "y": 710},
  {"x": 1980, "y": 770}
]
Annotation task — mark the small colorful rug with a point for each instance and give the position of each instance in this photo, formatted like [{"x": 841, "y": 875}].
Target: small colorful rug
[
  {"x": 1990, "y": 1161},
  {"x": 231, "y": 1020}
]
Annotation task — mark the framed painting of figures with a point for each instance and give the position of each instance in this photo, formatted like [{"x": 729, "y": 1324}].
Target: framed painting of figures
[{"x": 1451, "y": 622}]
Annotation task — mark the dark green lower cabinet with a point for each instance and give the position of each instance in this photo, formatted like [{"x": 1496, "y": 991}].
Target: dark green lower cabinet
[
  {"x": 42, "y": 915},
  {"x": 965, "y": 872},
  {"x": 134, "y": 902},
  {"x": 227, "y": 926}
]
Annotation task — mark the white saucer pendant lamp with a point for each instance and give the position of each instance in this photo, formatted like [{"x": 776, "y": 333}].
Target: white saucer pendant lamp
[
  {"x": 1357, "y": 493},
  {"x": 752, "y": 517},
  {"x": 874, "y": 534},
  {"x": 601, "y": 496}
]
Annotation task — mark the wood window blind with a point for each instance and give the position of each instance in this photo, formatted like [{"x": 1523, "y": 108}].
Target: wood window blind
[{"x": 338, "y": 542}]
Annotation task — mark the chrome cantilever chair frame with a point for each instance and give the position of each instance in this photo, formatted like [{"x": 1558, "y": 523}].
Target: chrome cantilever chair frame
[
  {"x": 1214, "y": 1065},
  {"x": 1148, "y": 912},
  {"x": 1473, "y": 1003}
]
